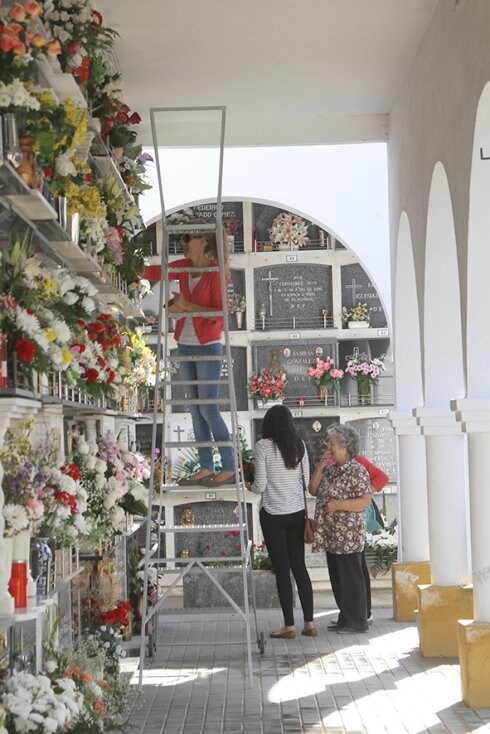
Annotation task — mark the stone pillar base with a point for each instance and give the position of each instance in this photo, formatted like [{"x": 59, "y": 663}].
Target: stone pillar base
[
  {"x": 406, "y": 578},
  {"x": 440, "y": 608},
  {"x": 474, "y": 658}
]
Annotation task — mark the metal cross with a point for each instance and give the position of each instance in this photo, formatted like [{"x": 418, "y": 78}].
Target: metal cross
[
  {"x": 269, "y": 282},
  {"x": 354, "y": 287},
  {"x": 178, "y": 431},
  {"x": 354, "y": 355}
]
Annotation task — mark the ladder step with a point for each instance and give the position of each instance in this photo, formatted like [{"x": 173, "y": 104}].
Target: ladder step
[
  {"x": 195, "y": 269},
  {"x": 197, "y": 358},
  {"x": 210, "y": 401},
  {"x": 173, "y": 383},
  {"x": 205, "y": 559},
  {"x": 200, "y": 528},
  {"x": 177, "y": 489},
  {"x": 197, "y": 444},
  {"x": 202, "y": 314}
]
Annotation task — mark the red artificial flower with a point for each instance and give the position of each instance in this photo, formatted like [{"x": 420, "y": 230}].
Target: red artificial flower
[
  {"x": 87, "y": 178},
  {"x": 48, "y": 173},
  {"x": 71, "y": 470},
  {"x": 67, "y": 499},
  {"x": 111, "y": 376},
  {"x": 91, "y": 374},
  {"x": 96, "y": 17},
  {"x": 135, "y": 119},
  {"x": 26, "y": 350}
]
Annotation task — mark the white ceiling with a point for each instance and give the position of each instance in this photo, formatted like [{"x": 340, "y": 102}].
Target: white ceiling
[{"x": 288, "y": 71}]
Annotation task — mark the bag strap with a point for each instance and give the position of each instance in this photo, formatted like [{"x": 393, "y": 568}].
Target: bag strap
[{"x": 304, "y": 486}]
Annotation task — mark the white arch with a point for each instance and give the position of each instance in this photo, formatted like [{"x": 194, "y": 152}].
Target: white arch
[
  {"x": 299, "y": 212},
  {"x": 443, "y": 347},
  {"x": 477, "y": 343},
  {"x": 407, "y": 346}
]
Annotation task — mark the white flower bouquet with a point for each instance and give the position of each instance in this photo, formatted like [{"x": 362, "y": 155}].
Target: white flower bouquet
[{"x": 289, "y": 229}]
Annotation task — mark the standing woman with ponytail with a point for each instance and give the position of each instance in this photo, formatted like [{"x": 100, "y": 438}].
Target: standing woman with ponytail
[{"x": 280, "y": 464}]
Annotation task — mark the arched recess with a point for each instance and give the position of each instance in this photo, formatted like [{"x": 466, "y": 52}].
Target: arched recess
[
  {"x": 407, "y": 346},
  {"x": 478, "y": 343},
  {"x": 443, "y": 347}
]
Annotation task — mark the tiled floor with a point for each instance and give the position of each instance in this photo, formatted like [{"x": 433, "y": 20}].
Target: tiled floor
[{"x": 371, "y": 683}]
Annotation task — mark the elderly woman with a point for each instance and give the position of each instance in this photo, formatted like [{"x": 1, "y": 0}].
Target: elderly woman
[{"x": 341, "y": 486}]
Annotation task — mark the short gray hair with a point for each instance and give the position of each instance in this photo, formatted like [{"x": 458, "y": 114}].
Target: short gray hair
[{"x": 346, "y": 437}]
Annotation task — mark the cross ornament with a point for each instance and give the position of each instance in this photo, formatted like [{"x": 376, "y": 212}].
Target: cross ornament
[
  {"x": 269, "y": 280},
  {"x": 178, "y": 431},
  {"x": 354, "y": 355},
  {"x": 354, "y": 287}
]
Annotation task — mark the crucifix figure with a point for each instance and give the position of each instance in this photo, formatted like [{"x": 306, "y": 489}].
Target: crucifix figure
[
  {"x": 354, "y": 287},
  {"x": 269, "y": 282}
]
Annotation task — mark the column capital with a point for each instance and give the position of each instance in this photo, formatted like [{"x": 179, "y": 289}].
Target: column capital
[
  {"x": 437, "y": 421},
  {"x": 404, "y": 423},
  {"x": 473, "y": 413}
]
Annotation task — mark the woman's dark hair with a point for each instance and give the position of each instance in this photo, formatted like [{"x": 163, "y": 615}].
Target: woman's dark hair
[{"x": 278, "y": 425}]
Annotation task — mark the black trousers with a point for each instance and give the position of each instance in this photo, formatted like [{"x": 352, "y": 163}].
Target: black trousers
[
  {"x": 283, "y": 535},
  {"x": 349, "y": 588}
]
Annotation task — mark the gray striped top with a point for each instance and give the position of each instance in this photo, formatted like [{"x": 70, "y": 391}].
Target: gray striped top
[{"x": 281, "y": 488}]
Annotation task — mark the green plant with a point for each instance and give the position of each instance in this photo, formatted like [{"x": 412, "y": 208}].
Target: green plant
[
  {"x": 260, "y": 558},
  {"x": 383, "y": 547}
]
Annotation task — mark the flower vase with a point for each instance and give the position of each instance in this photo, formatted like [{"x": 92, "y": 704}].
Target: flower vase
[
  {"x": 324, "y": 394},
  {"x": 239, "y": 319},
  {"x": 10, "y": 139},
  {"x": 26, "y": 169},
  {"x": 231, "y": 243},
  {"x": 364, "y": 392},
  {"x": 270, "y": 402}
]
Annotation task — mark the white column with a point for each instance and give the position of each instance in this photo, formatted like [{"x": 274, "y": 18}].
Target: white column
[
  {"x": 475, "y": 417},
  {"x": 413, "y": 516},
  {"x": 447, "y": 496}
]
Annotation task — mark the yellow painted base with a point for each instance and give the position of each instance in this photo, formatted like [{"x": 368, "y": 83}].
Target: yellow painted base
[
  {"x": 474, "y": 658},
  {"x": 406, "y": 577},
  {"x": 439, "y": 609}
]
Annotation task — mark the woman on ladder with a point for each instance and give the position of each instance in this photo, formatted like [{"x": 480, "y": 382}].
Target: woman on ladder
[
  {"x": 281, "y": 474},
  {"x": 200, "y": 337}
]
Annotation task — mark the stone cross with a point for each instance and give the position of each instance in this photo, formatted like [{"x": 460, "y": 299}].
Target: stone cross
[{"x": 269, "y": 282}]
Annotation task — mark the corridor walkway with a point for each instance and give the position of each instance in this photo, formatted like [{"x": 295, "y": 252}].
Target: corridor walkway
[{"x": 371, "y": 683}]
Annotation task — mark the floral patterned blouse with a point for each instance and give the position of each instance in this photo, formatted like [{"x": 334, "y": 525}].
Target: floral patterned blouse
[{"x": 341, "y": 532}]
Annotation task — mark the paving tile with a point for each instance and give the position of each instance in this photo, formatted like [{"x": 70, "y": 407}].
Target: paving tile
[{"x": 370, "y": 684}]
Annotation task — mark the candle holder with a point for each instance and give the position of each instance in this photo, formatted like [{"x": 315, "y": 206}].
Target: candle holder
[
  {"x": 325, "y": 316},
  {"x": 262, "y": 315}
]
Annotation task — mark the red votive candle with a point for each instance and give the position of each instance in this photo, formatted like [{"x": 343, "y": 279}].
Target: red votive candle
[{"x": 18, "y": 583}]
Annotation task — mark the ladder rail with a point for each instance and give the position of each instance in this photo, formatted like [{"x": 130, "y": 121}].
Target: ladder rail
[{"x": 164, "y": 381}]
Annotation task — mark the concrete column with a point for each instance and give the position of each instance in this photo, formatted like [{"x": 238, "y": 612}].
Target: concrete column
[
  {"x": 448, "y": 597},
  {"x": 474, "y": 634},
  {"x": 413, "y": 566}
]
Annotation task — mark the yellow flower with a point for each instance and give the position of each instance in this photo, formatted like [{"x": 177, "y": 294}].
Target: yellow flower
[
  {"x": 50, "y": 335},
  {"x": 66, "y": 356}
]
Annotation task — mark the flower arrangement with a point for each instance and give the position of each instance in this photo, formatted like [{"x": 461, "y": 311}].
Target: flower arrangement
[
  {"x": 183, "y": 216},
  {"x": 236, "y": 303},
  {"x": 132, "y": 167},
  {"x": 139, "y": 288},
  {"x": 113, "y": 479},
  {"x": 325, "y": 373},
  {"x": 232, "y": 225},
  {"x": 289, "y": 229},
  {"x": 260, "y": 557},
  {"x": 356, "y": 313},
  {"x": 40, "y": 496},
  {"x": 20, "y": 41},
  {"x": 365, "y": 370},
  {"x": 383, "y": 547},
  {"x": 267, "y": 384}
]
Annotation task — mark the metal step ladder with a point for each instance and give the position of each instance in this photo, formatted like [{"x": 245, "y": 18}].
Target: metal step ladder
[{"x": 173, "y": 567}]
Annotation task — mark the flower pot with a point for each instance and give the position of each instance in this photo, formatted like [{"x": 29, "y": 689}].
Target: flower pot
[
  {"x": 324, "y": 394},
  {"x": 358, "y": 324}
]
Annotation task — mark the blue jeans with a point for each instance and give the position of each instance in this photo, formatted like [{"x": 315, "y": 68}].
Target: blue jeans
[{"x": 207, "y": 421}]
